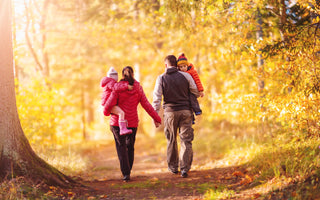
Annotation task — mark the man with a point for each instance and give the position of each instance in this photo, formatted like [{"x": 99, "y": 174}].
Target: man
[{"x": 175, "y": 87}]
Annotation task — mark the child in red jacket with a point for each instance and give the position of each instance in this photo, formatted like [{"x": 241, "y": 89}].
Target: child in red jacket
[
  {"x": 107, "y": 84},
  {"x": 184, "y": 66}
]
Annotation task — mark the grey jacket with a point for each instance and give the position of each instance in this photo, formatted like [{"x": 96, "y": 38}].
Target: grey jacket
[{"x": 175, "y": 87}]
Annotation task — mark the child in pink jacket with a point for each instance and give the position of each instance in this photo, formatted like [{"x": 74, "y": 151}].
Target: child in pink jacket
[{"x": 107, "y": 83}]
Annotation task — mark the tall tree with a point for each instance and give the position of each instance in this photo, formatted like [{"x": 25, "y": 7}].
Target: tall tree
[
  {"x": 16, "y": 155},
  {"x": 41, "y": 59},
  {"x": 259, "y": 35}
]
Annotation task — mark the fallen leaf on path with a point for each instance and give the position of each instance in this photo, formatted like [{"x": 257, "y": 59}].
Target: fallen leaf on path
[
  {"x": 238, "y": 173},
  {"x": 70, "y": 194},
  {"x": 257, "y": 195},
  {"x": 154, "y": 179},
  {"x": 249, "y": 169},
  {"x": 246, "y": 180},
  {"x": 294, "y": 194}
]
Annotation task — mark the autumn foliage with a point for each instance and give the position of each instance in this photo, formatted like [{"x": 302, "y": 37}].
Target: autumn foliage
[{"x": 258, "y": 61}]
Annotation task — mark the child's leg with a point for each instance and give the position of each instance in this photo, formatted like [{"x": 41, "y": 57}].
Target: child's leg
[
  {"x": 122, "y": 122},
  {"x": 195, "y": 104},
  {"x": 118, "y": 111},
  {"x": 111, "y": 102}
]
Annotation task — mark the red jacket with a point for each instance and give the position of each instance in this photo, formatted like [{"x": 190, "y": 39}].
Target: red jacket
[
  {"x": 128, "y": 101},
  {"x": 108, "y": 86},
  {"x": 191, "y": 70}
]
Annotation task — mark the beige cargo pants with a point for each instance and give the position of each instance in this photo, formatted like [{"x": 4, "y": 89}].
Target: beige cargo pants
[{"x": 179, "y": 122}]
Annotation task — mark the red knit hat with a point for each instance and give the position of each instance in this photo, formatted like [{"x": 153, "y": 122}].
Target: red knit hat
[{"x": 182, "y": 60}]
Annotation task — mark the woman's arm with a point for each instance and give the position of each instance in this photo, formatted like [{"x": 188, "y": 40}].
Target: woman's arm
[{"x": 148, "y": 107}]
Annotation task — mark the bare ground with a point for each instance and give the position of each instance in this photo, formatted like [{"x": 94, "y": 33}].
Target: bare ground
[{"x": 150, "y": 178}]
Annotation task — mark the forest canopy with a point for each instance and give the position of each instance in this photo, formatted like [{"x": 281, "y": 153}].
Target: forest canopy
[{"x": 258, "y": 60}]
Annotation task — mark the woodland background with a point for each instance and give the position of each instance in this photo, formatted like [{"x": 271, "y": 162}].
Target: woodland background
[{"x": 258, "y": 61}]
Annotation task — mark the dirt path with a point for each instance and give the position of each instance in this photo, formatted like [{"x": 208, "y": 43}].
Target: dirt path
[{"x": 150, "y": 178}]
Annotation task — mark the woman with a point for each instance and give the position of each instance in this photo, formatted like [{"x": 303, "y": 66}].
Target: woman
[{"x": 128, "y": 101}]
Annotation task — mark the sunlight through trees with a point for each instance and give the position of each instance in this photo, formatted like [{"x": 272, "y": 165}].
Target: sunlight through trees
[{"x": 258, "y": 61}]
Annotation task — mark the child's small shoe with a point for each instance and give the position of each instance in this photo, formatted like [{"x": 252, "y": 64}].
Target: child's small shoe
[
  {"x": 193, "y": 119},
  {"x": 123, "y": 127}
]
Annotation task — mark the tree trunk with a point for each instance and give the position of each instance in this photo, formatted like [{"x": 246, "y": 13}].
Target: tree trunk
[
  {"x": 16, "y": 66},
  {"x": 39, "y": 66},
  {"x": 284, "y": 38},
  {"x": 43, "y": 67},
  {"x": 83, "y": 117},
  {"x": 259, "y": 35},
  {"x": 45, "y": 56},
  {"x": 16, "y": 155}
]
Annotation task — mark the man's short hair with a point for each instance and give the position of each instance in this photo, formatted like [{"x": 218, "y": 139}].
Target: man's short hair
[{"x": 172, "y": 60}]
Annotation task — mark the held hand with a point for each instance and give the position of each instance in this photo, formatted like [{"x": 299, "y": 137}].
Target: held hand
[
  {"x": 201, "y": 94},
  {"x": 157, "y": 124},
  {"x": 130, "y": 87}
]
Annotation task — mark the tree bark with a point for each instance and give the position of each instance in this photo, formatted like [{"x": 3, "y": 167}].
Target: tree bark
[
  {"x": 283, "y": 22},
  {"x": 44, "y": 38},
  {"x": 16, "y": 66},
  {"x": 259, "y": 35},
  {"x": 16, "y": 155},
  {"x": 283, "y": 19},
  {"x": 83, "y": 117}
]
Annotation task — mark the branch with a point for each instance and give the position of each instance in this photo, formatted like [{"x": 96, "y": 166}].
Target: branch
[
  {"x": 315, "y": 37},
  {"x": 273, "y": 10},
  {"x": 288, "y": 40}
]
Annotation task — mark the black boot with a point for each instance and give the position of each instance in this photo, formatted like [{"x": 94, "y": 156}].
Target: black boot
[{"x": 126, "y": 178}]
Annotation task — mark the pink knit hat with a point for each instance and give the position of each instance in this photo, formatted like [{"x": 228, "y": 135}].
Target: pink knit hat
[{"x": 112, "y": 73}]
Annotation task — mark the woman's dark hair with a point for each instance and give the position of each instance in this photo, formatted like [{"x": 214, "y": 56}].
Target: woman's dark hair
[
  {"x": 172, "y": 60},
  {"x": 129, "y": 77}
]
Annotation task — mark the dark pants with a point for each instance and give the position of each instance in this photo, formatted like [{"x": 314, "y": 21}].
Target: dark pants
[
  {"x": 125, "y": 148},
  {"x": 194, "y": 103}
]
